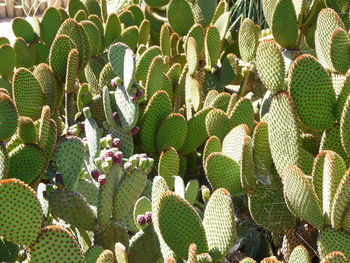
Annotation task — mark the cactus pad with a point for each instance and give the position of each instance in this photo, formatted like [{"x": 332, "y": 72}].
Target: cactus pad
[
  {"x": 168, "y": 166},
  {"x": 22, "y": 215},
  {"x": 8, "y": 117}
]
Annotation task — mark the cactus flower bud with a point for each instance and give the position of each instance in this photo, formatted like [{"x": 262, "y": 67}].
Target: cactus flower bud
[
  {"x": 148, "y": 217},
  {"x": 102, "y": 179},
  {"x": 134, "y": 130},
  {"x": 117, "y": 143},
  {"x": 116, "y": 82},
  {"x": 95, "y": 174},
  {"x": 117, "y": 157},
  {"x": 82, "y": 126},
  {"x": 205, "y": 193},
  {"x": 141, "y": 220},
  {"x": 128, "y": 167},
  {"x": 59, "y": 179},
  {"x": 139, "y": 93},
  {"x": 109, "y": 141},
  {"x": 107, "y": 165}
]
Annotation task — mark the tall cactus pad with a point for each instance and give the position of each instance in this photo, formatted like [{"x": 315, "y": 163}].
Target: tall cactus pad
[
  {"x": 27, "y": 94},
  {"x": 7, "y": 54},
  {"x": 212, "y": 46},
  {"x": 340, "y": 47},
  {"x": 172, "y": 132},
  {"x": 344, "y": 126},
  {"x": 21, "y": 214},
  {"x": 168, "y": 166},
  {"x": 312, "y": 92},
  {"x": 69, "y": 157},
  {"x": 285, "y": 24},
  {"x": 223, "y": 172},
  {"x": 157, "y": 109},
  {"x": 217, "y": 123},
  {"x": 22, "y": 28},
  {"x": 27, "y": 131},
  {"x": 180, "y": 225},
  {"x": 283, "y": 132},
  {"x": 219, "y": 224},
  {"x": 270, "y": 65},
  {"x": 73, "y": 208},
  {"x": 58, "y": 57},
  {"x": 50, "y": 23},
  {"x": 8, "y": 117},
  {"x": 247, "y": 40},
  {"x": 55, "y": 244},
  {"x": 301, "y": 198}
]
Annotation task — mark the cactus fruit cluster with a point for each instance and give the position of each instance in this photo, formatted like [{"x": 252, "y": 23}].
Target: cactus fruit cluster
[{"x": 159, "y": 133}]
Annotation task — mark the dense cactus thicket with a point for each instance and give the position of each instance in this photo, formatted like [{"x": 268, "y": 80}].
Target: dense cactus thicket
[{"x": 161, "y": 134}]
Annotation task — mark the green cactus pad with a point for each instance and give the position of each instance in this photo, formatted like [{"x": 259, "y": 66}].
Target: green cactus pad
[
  {"x": 283, "y": 132},
  {"x": 155, "y": 78},
  {"x": 73, "y": 208},
  {"x": 93, "y": 137},
  {"x": 229, "y": 69},
  {"x": 92, "y": 72},
  {"x": 106, "y": 256},
  {"x": 180, "y": 24},
  {"x": 299, "y": 254},
  {"x": 46, "y": 247},
  {"x": 76, "y": 33},
  {"x": 217, "y": 123},
  {"x": 340, "y": 202},
  {"x": 223, "y": 172},
  {"x": 342, "y": 93},
  {"x": 285, "y": 24},
  {"x": 127, "y": 140},
  {"x": 212, "y": 46},
  {"x": 112, "y": 29},
  {"x": 172, "y": 132},
  {"x": 263, "y": 162},
  {"x": 23, "y": 54},
  {"x": 106, "y": 75},
  {"x": 180, "y": 224},
  {"x": 58, "y": 57},
  {"x": 247, "y": 40},
  {"x": 50, "y": 23},
  {"x": 4, "y": 161},
  {"x": 120, "y": 253},
  {"x": 232, "y": 144},
  {"x": 127, "y": 18},
  {"x": 137, "y": 13},
  {"x": 8, "y": 117},
  {"x": 213, "y": 144},
  {"x": 74, "y": 6},
  {"x": 220, "y": 9},
  {"x": 144, "y": 240},
  {"x": 27, "y": 131},
  {"x": 143, "y": 62},
  {"x": 98, "y": 23},
  {"x": 192, "y": 55},
  {"x": 72, "y": 71},
  {"x": 327, "y": 21},
  {"x": 247, "y": 166},
  {"x": 106, "y": 193},
  {"x": 333, "y": 240},
  {"x": 268, "y": 208},
  {"x": 203, "y": 11},
  {"x": 144, "y": 32},
  {"x": 27, "y": 94},
  {"x": 191, "y": 191},
  {"x": 197, "y": 32},
  {"x": 22, "y": 28},
  {"x": 7, "y": 54},
  {"x": 340, "y": 45},
  {"x": 334, "y": 257},
  {"x": 168, "y": 166},
  {"x": 300, "y": 196},
  {"x": 130, "y": 37},
  {"x": 243, "y": 113},
  {"x": 270, "y": 65},
  {"x": 327, "y": 172},
  {"x": 219, "y": 224},
  {"x": 158, "y": 187},
  {"x": 126, "y": 108},
  {"x": 94, "y": 36},
  {"x": 314, "y": 105},
  {"x": 22, "y": 214},
  {"x": 48, "y": 83},
  {"x": 69, "y": 158},
  {"x": 157, "y": 109},
  {"x": 344, "y": 124},
  {"x": 196, "y": 133},
  {"x": 26, "y": 162},
  {"x": 80, "y": 16},
  {"x": 165, "y": 32},
  {"x": 128, "y": 191}
]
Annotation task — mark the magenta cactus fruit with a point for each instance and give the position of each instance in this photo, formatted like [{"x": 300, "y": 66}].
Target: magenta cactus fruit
[
  {"x": 102, "y": 179},
  {"x": 117, "y": 157},
  {"x": 107, "y": 154},
  {"x": 95, "y": 174},
  {"x": 59, "y": 179},
  {"x": 134, "y": 130},
  {"x": 141, "y": 220},
  {"x": 116, "y": 117},
  {"x": 117, "y": 143},
  {"x": 148, "y": 217}
]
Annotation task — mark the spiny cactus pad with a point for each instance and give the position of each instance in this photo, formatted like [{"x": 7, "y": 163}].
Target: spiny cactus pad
[
  {"x": 8, "y": 117},
  {"x": 168, "y": 166},
  {"x": 22, "y": 215},
  {"x": 55, "y": 244},
  {"x": 180, "y": 225}
]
